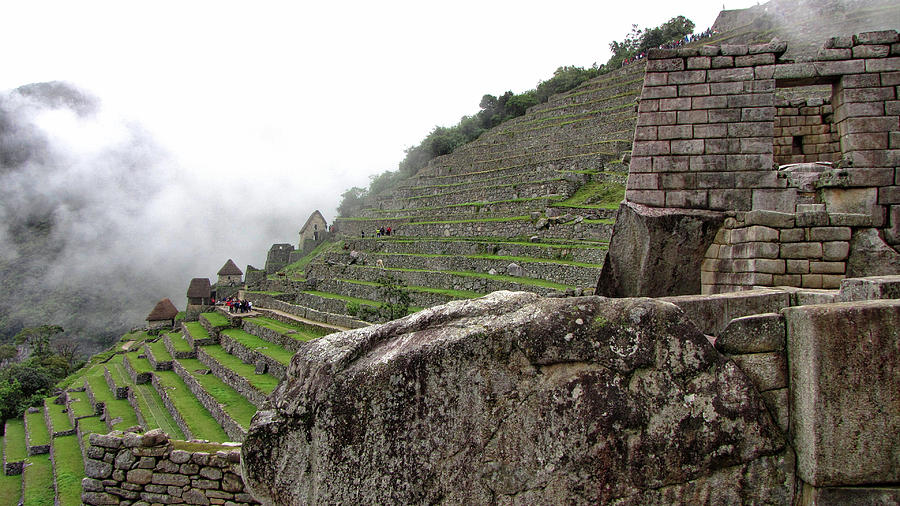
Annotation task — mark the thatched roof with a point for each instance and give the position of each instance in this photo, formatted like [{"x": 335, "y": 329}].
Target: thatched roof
[
  {"x": 164, "y": 310},
  {"x": 230, "y": 269},
  {"x": 199, "y": 287},
  {"x": 310, "y": 220}
]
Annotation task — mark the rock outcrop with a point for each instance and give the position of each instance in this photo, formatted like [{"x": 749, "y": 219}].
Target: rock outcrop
[
  {"x": 513, "y": 398},
  {"x": 657, "y": 252}
]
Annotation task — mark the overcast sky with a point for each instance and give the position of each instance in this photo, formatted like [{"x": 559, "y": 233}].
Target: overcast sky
[{"x": 280, "y": 106}]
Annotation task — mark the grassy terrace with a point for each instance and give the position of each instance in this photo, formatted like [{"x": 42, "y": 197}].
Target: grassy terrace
[
  {"x": 69, "y": 468},
  {"x": 474, "y": 203},
  {"x": 38, "y": 478},
  {"x": 548, "y": 242},
  {"x": 265, "y": 383},
  {"x": 80, "y": 405},
  {"x": 300, "y": 265},
  {"x": 15, "y": 440},
  {"x": 357, "y": 300},
  {"x": 504, "y": 258},
  {"x": 566, "y": 119},
  {"x": 37, "y": 429},
  {"x": 156, "y": 416},
  {"x": 492, "y": 187},
  {"x": 266, "y": 348},
  {"x": 179, "y": 343},
  {"x": 298, "y": 332},
  {"x": 235, "y": 404},
  {"x": 11, "y": 486},
  {"x": 469, "y": 274},
  {"x": 215, "y": 319},
  {"x": 59, "y": 420},
  {"x": 197, "y": 330},
  {"x": 92, "y": 425},
  {"x": 198, "y": 420},
  {"x": 596, "y": 195},
  {"x": 474, "y": 220},
  {"x": 459, "y": 294},
  {"x": 530, "y": 155},
  {"x": 140, "y": 365},
  {"x": 115, "y": 408},
  {"x": 159, "y": 351}
]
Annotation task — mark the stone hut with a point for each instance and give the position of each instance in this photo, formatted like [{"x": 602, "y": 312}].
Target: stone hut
[
  {"x": 199, "y": 292},
  {"x": 229, "y": 275},
  {"x": 731, "y": 186},
  {"x": 313, "y": 233},
  {"x": 163, "y": 315}
]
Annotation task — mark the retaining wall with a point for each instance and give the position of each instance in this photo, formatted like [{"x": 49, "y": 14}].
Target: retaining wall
[{"x": 230, "y": 425}]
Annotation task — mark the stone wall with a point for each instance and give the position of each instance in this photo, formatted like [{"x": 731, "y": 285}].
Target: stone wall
[
  {"x": 279, "y": 255},
  {"x": 170, "y": 406},
  {"x": 339, "y": 320},
  {"x": 710, "y": 128},
  {"x": 33, "y": 449},
  {"x": 231, "y": 378},
  {"x": 803, "y": 131},
  {"x": 234, "y": 430},
  {"x": 126, "y": 467},
  {"x": 176, "y": 353},
  {"x": 157, "y": 365},
  {"x": 119, "y": 392}
]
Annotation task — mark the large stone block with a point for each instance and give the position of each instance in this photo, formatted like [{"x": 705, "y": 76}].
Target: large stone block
[
  {"x": 870, "y": 288},
  {"x": 871, "y": 256},
  {"x": 511, "y": 397},
  {"x": 752, "y": 334},
  {"x": 845, "y": 391},
  {"x": 657, "y": 252}
]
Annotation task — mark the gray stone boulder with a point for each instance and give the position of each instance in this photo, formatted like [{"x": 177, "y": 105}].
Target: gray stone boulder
[
  {"x": 871, "y": 256},
  {"x": 514, "y": 398},
  {"x": 657, "y": 252}
]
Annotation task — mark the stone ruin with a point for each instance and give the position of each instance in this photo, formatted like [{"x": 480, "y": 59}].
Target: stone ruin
[{"x": 762, "y": 191}]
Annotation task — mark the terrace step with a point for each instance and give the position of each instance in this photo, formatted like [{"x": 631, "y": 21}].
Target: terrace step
[
  {"x": 287, "y": 335},
  {"x": 10, "y": 485},
  {"x": 149, "y": 404},
  {"x": 252, "y": 349},
  {"x": 159, "y": 357},
  {"x": 419, "y": 296},
  {"x": 37, "y": 480},
  {"x": 187, "y": 411},
  {"x": 37, "y": 437},
  {"x": 57, "y": 419},
  {"x": 579, "y": 251},
  {"x": 15, "y": 448},
  {"x": 266, "y": 303},
  {"x": 118, "y": 413},
  {"x": 178, "y": 346},
  {"x": 78, "y": 405},
  {"x": 238, "y": 375},
  {"x": 196, "y": 334},
  {"x": 226, "y": 405},
  {"x": 68, "y": 470}
]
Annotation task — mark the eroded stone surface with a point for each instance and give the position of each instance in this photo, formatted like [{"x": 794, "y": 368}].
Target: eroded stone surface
[{"x": 512, "y": 398}]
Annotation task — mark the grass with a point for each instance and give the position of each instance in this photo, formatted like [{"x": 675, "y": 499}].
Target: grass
[
  {"x": 459, "y": 294},
  {"x": 38, "y": 478},
  {"x": 357, "y": 300},
  {"x": 192, "y": 447},
  {"x": 15, "y": 440},
  {"x": 268, "y": 349},
  {"x": 37, "y": 429},
  {"x": 11, "y": 486},
  {"x": 299, "y": 332},
  {"x": 197, "y": 330},
  {"x": 267, "y": 292},
  {"x": 179, "y": 343},
  {"x": 198, "y": 420},
  {"x": 265, "y": 383},
  {"x": 69, "y": 469},
  {"x": 300, "y": 265},
  {"x": 156, "y": 416},
  {"x": 58, "y": 419},
  {"x": 473, "y": 220},
  {"x": 159, "y": 351},
  {"x": 115, "y": 408},
  {"x": 80, "y": 404},
  {"x": 596, "y": 195},
  {"x": 215, "y": 319},
  {"x": 235, "y": 404},
  {"x": 140, "y": 365},
  {"x": 504, "y": 258},
  {"x": 468, "y": 274},
  {"x": 92, "y": 425}
]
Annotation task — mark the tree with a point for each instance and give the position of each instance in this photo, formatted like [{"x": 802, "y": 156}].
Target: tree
[
  {"x": 38, "y": 338},
  {"x": 395, "y": 299},
  {"x": 351, "y": 201}
]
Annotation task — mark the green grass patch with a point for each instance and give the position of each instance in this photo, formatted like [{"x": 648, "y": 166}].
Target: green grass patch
[
  {"x": 38, "y": 477},
  {"x": 179, "y": 343},
  {"x": 135, "y": 336},
  {"x": 117, "y": 371},
  {"x": 139, "y": 365},
  {"x": 268, "y": 349},
  {"x": 156, "y": 416},
  {"x": 192, "y": 447},
  {"x": 92, "y": 425},
  {"x": 267, "y": 292},
  {"x": 265, "y": 383},
  {"x": 197, "y": 330},
  {"x": 497, "y": 277},
  {"x": 596, "y": 195},
  {"x": 59, "y": 420},
  {"x": 37, "y": 429},
  {"x": 80, "y": 404},
  {"x": 235, "y": 404},
  {"x": 357, "y": 300},
  {"x": 15, "y": 440},
  {"x": 159, "y": 351},
  {"x": 216, "y": 319},
  {"x": 69, "y": 469},
  {"x": 115, "y": 408},
  {"x": 11, "y": 487},
  {"x": 299, "y": 267},
  {"x": 198, "y": 420},
  {"x": 604, "y": 221},
  {"x": 299, "y": 331},
  {"x": 473, "y": 220},
  {"x": 458, "y": 294}
]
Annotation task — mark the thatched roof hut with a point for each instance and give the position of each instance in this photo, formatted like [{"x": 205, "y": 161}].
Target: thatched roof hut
[
  {"x": 164, "y": 310},
  {"x": 230, "y": 269}
]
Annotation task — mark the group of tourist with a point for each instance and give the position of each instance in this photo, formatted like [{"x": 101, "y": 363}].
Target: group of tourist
[
  {"x": 379, "y": 232},
  {"x": 236, "y": 305},
  {"x": 687, "y": 39}
]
